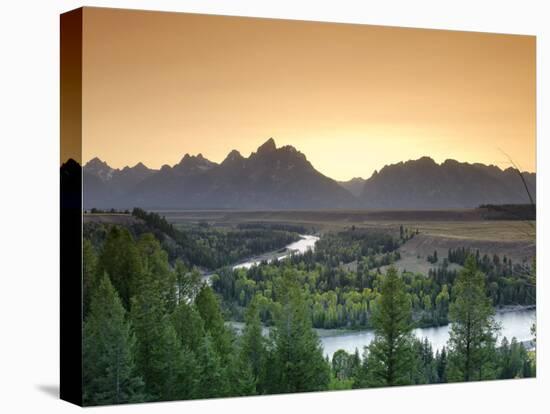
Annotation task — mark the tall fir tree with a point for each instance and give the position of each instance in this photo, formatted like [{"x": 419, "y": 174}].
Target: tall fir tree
[
  {"x": 254, "y": 346},
  {"x": 189, "y": 326},
  {"x": 109, "y": 372},
  {"x": 90, "y": 276},
  {"x": 155, "y": 259},
  {"x": 120, "y": 259},
  {"x": 360, "y": 374},
  {"x": 240, "y": 377},
  {"x": 176, "y": 365},
  {"x": 208, "y": 306},
  {"x": 514, "y": 361},
  {"x": 159, "y": 353},
  {"x": 297, "y": 362},
  {"x": 441, "y": 365},
  {"x": 471, "y": 346},
  {"x": 391, "y": 355},
  {"x": 212, "y": 377}
]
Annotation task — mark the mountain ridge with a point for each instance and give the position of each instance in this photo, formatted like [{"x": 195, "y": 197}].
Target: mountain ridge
[
  {"x": 423, "y": 183},
  {"x": 283, "y": 178}
]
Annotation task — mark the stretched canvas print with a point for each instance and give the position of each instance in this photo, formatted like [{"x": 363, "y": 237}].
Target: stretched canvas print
[{"x": 260, "y": 206}]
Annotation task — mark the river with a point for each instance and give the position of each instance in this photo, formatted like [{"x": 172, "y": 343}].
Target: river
[
  {"x": 306, "y": 242},
  {"x": 514, "y": 323}
]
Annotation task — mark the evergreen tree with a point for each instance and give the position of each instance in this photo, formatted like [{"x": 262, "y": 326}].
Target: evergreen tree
[
  {"x": 361, "y": 372},
  {"x": 441, "y": 365},
  {"x": 89, "y": 274},
  {"x": 108, "y": 364},
  {"x": 391, "y": 355},
  {"x": 254, "y": 345},
  {"x": 189, "y": 326},
  {"x": 160, "y": 357},
  {"x": 120, "y": 259},
  {"x": 442, "y": 304},
  {"x": 504, "y": 360},
  {"x": 297, "y": 363},
  {"x": 240, "y": 376},
  {"x": 188, "y": 282},
  {"x": 156, "y": 261},
  {"x": 425, "y": 369},
  {"x": 176, "y": 365},
  {"x": 472, "y": 339},
  {"x": 342, "y": 365},
  {"x": 212, "y": 378},
  {"x": 514, "y": 361},
  {"x": 209, "y": 309}
]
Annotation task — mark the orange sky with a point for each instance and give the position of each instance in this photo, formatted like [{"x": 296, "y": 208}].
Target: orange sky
[{"x": 351, "y": 97}]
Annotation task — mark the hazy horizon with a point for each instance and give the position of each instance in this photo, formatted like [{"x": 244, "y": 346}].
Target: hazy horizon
[{"x": 352, "y": 98}]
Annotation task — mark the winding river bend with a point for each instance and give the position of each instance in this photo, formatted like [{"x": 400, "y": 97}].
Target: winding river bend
[
  {"x": 306, "y": 242},
  {"x": 514, "y": 323}
]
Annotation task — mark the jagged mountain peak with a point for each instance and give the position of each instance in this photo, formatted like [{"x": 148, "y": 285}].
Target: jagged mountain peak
[
  {"x": 266, "y": 147},
  {"x": 100, "y": 169},
  {"x": 140, "y": 166},
  {"x": 233, "y": 156},
  {"x": 270, "y": 178},
  {"x": 96, "y": 161},
  {"x": 283, "y": 178},
  {"x": 193, "y": 163}
]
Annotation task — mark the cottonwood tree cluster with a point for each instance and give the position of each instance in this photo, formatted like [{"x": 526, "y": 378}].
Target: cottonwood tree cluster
[{"x": 342, "y": 280}]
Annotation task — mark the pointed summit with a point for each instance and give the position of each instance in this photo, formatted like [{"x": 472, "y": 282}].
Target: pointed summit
[
  {"x": 96, "y": 162},
  {"x": 233, "y": 156},
  {"x": 99, "y": 168},
  {"x": 140, "y": 167},
  {"x": 186, "y": 157},
  {"x": 193, "y": 163},
  {"x": 268, "y": 146}
]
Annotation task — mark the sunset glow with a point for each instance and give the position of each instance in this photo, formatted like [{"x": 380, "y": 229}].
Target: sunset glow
[{"x": 351, "y": 97}]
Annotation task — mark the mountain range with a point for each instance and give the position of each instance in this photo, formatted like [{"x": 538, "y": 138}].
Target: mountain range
[{"x": 283, "y": 178}]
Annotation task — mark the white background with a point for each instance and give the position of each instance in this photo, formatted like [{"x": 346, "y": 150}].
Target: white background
[{"x": 29, "y": 176}]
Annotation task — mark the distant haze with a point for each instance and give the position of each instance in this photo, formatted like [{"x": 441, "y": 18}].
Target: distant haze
[{"x": 352, "y": 97}]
